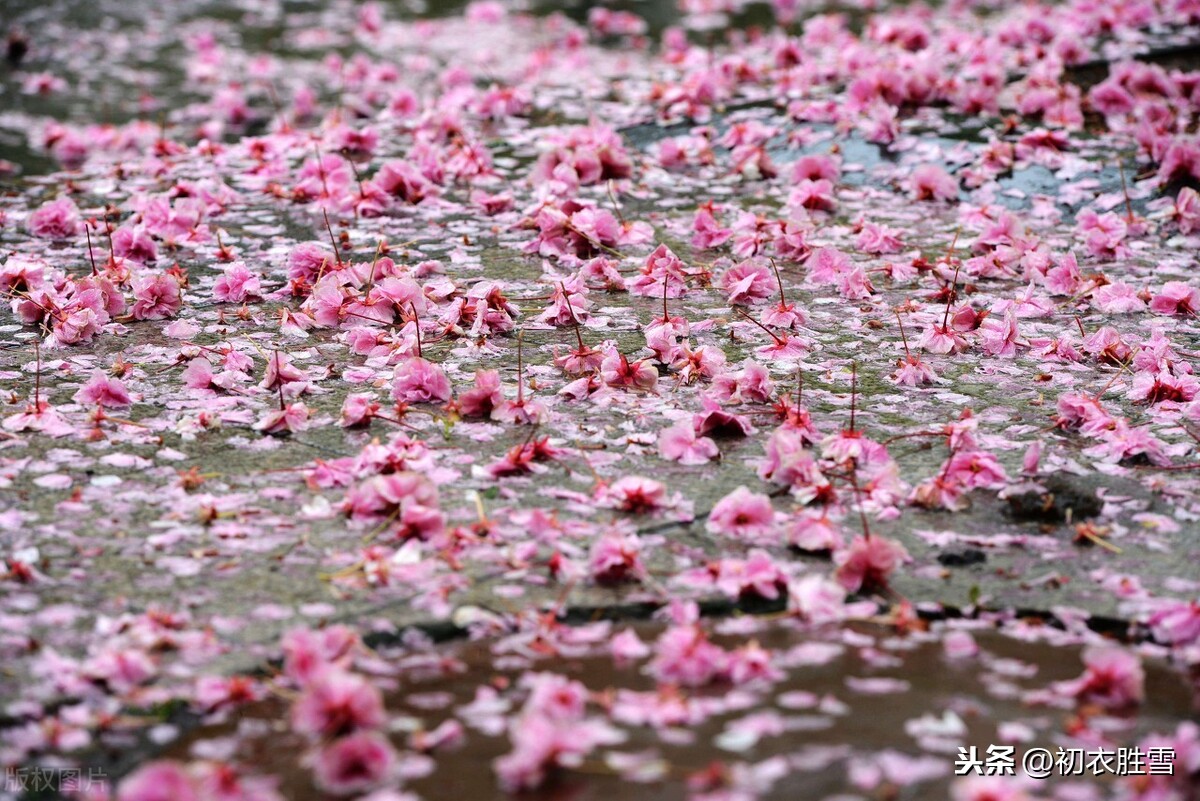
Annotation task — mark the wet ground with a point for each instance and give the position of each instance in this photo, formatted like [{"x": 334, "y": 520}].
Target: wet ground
[
  {"x": 849, "y": 695},
  {"x": 178, "y": 532}
]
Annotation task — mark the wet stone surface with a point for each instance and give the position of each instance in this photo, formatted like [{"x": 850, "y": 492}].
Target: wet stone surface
[{"x": 332, "y": 330}]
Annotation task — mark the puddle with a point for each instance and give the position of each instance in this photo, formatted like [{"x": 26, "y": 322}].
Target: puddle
[{"x": 849, "y": 703}]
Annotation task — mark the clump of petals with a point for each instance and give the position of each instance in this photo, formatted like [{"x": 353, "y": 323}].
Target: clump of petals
[
  {"x": 742, "y": 513},
  {"x": 864, "y": 566}
]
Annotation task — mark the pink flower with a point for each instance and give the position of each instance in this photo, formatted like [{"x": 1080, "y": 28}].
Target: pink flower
[
  {"x": 692, "y": 365},
  {"x": 492, "y": 204},
  {"x": 358, "y": 409},
  {"x": 219, "y": 692},
  {"x": 684, "y": 655},
  {"x": 121, "y": 669},
  {"x": 817, "y": 599},
  {"x": 1184, "y": 744},
  {"x": 708, "y": 233},
  {"x": 1082, "y": 412},
  {"x": 1122, "y": 441},
  {"x": 484, "y": 397},
  {"x": 1000, "y": 337},
  {"x": 663, "y": 342},
  {"x": 788, "y": 462},
  {"x": 679, "y": 443},
  {"x": 753, "y": 163},
  {"x": 354, "y": 763},
  {"x": 336, "y": 703},
  {"x": 751, "y": 662},
  {"x": 661, "y": 268},
  {"x": 408, "y": 498},
  {"x": 991, "y": 788},
  {"x": 941, "y": 339},
  {"x": 526, "y": 458},
  {"x": 715, "y": 420},
  {"x": 757, "y": 576},
  {"x": 849, "y": 444},
  {"x": 101, "y": 390},
  {"x": 309, "y": 653},
  {"x": 237, "y": 285},
  {"x": 814, "y": 195},
  {"x": 580, "y": 361},
  {"x": 1103, "y": 234},
  {"x": 912, "y": 372},
  {"x": 792, "y": 241},
  {"x": 937, "y": 493},
  {"x": 308, "y": 260},
  {"x": 1064, "y": 277},
  {"x": 586, "y": 155},
  {"x": 135, "y": 244},
  {"x": 58, "y": 219},
  {"x": 522, "y": 411},
  {"x": 1181, "y": 161},
  {"x": 1156, "y": 387},
  {"x": 808, "y": 532},
  {"x": 865, "y": 565},
  {"x": 826, "y": 264},
  {"x": 1111, "y": 99},
  {"x": 636, "y": 494},
  {"x": 292, "y": 417},
  {"x": 403, "y": 180},
  {"x": 1176, "y": 298},
  {"x": 551, "y": 730},
  {"x": 931, "y": 182},
  {"x": 876, "y": 238},
  {"x": 39, "y": 417},
  {"x": 627, "y": 647},
  {"x": 485, "y": 12},
  {"x": 1107, "y": 346},
  {"x": 162, "y": 780},
  {"x": 156, "y": 297},
  {"x": 1187, "y": 210},
  {"x": 816, "y": 167},
  {"x": 417, "y": 380},
  {"x": 1113, "y": 678},
  {"x": 753, "y": 384},
  {"x": 569, "y": 303},
  {"x": 282, "y": 373},
  {"x": 617, "y": 371},
  {"x": 975, "y": 468},
  {"x": 1176, "y": 623},
  {"x": 742, "y": 513},
  {"x": 855, "y": 284},
  {"x": 323, "y": 179},
  {"x": 615, "y": 558},
  {"x": 747, "y": 282}
]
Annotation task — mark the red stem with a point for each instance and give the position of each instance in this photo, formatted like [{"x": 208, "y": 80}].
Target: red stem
[
  {"x": 779, "y": 281},
  {"x": 950, "y": 296},
  {"x": 745, "y": 315},
  {"x": 336, "y": 253},
  {"x": 574, "y": 319},
  {"x": 37, "y": 381},
  {"x": 903, "y": 338},
  {"x": 417, "y": 320},
  {"x": 520, "y": 366},
  {"x": 853, "y": 392},
  {"x": 91, "y": 256}
]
